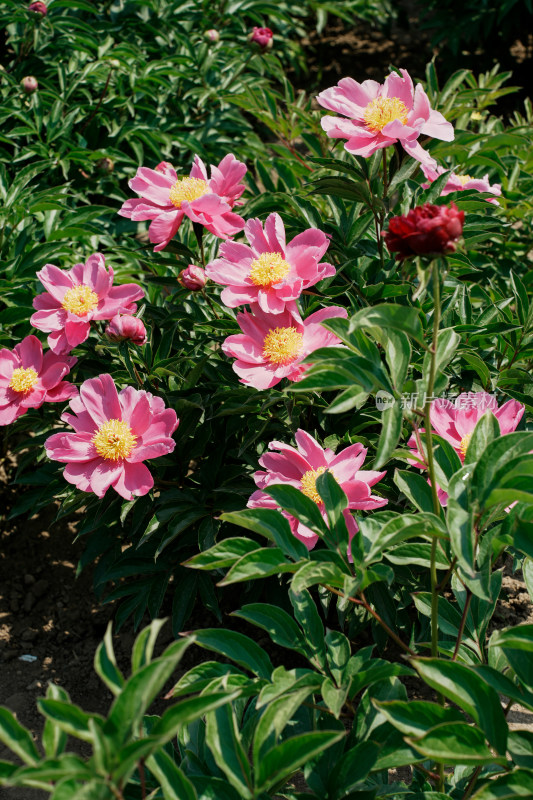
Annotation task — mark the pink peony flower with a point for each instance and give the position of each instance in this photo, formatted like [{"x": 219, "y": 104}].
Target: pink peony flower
[
  {"x": 301, "y": 466},
  {"x": 457, "y": 183},
  {"x": 125, "y": 326},
  {"x": 193, "y": 278},
  {"x": 28, "y": 379},
  {"x": 455, "y": 422},
  {"x": 114, "y": 434},
  {"x": 380, "y": 115},
  {"x": 29, "y": 84},
  {"x": 262, "y": 37},
  {"x": 166, "y": 199},
  {"x": 272, "y": 346},
  {"x": 270, "y": 272},
  {"x": 38, "y": 7},
  {"x": 425, "y": 230},
  {"x": 75, "y": 297}
]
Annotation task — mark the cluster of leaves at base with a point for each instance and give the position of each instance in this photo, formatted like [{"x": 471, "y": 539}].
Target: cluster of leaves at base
[{"x": 243, "y": 729}]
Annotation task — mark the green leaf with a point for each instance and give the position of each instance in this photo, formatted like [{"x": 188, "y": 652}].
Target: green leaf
[
  {"x": 187, "y": 711},
  {"x": 298, "y": 505},
  {"x": 174, "y": 784},
  {"x": 391, "y": 430},
  {"x": 461, "y": 685},
  {"x": 487, "y": 429},
  {"x": 415, "y": 488},
  {"x": 238, "y": 647},
  {"x": 507, "y": 787},
  {"x": 416, "y": 717},
  {"x": 105, "y": 664},
  {"x": 17, "y": 738},
  {"x": 270, "y": 523},
  {"x": 54, "y": 737},
  {"x": 224, "y": 740},
  {"x": 283, "y": 760},
  {"x": 308, "y": 618},
  {"x": 387, "y": 315},
  {"x": 224, "y": 553},
  {"x": 353, "y": 767},
  {"x": 281, "y": 627},
  {"x": 69, "y": 717},
  {"x": 418, "y": 553},
  {"x": 260, "y": 563},
  {"x": 455, "y": 743}
]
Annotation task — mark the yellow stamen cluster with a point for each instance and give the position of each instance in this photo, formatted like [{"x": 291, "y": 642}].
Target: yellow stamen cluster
[
  {"x": 282, "y": 345},
  {"x": 114, "y": 440},
  {"x": 188, "y": 189},
  {"x": 268, "y": 269},
  {"x": 80, "y": 300},
  {"x": 382, "y": 110},
  {"x": 23, "y": 379},
  {"x": 463, "y": 179},
  {"x": 465, "y": 441},
  {"x": 308, "y": 483}
]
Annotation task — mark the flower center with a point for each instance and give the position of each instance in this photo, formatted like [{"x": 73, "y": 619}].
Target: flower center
[
  {"x": 80, "y": 300},
  {"x": 114, "y": 440},
  {"x": 382, "y": 110},
  {"x": 268, "y": 269},
  {"x": 463, "y": 179},
  {"x": 282, "y": 345},
  {"x": 308, "y": 483},
  {"x": 188, "y": 189},
  {"x": 23, "y": 379},
  {"x": 465, "y": 441}
]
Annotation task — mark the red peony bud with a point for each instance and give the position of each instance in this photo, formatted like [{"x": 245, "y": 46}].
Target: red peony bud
[
  {"x": 212, "y": 35},
  {"x": 263, "y": 37},
  {"x": 125, "y": 326},
  {"x": 38, "y": 7},
  {"x": 29, "y": 84},
  {"x": 193, "y": 278},
  {"x": 425, "y": 230}
]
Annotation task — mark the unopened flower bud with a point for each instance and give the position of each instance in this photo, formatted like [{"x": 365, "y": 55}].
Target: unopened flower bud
[
  {"x": 212, "y": 35},
  {"x": 262, "y": 37},
  {"x": 114, "y": 62},
  {"x": 193, "y": 278},
  {"x": 29, "y": 84},
  {"x": 425, "y": 230},
  {"x": 105, "y": 165},
  {"x": 126, "y": 326},
  {"x": 165, "y": 167},
  {"x": 38, "y": 7}
]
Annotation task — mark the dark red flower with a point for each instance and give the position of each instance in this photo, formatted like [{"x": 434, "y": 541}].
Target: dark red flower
[
  {"x": 425, "y": 230},
  {"x": 38, "y": 7}
]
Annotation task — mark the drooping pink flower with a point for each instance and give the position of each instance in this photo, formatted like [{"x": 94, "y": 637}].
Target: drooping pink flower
[
  {"x": 455, "y": 422},
  {"x": 270, "y": 272},
  {"x": 75, "y": 297},
  {"x": 193, "y": 278},
  {"x": 125, "y": 326},
  {"x": 28, "y": 378},
  {"x": 301, "y": 466},
  {"x": 378, "y": 115},
  {"x": 458, "y": 183},
  {"x": 262, "y": 37},
  {"x": 166, "y": 199},
  {"x": 272, "y": 346},
  {"x": 114, "y": 434},
  {"x": 425, "y": 230}
]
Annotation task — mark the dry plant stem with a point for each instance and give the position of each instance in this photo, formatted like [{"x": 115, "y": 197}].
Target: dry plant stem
[
  {"x": 100, "y": 101},
  {"x": 142, "y": 776},
  {"x": 472, "y": 783},
  {"x": 364, "y": 602},
  {"x": 462, "y": 624}
]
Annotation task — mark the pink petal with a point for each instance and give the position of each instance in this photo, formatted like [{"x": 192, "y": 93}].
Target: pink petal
[
  {"x": 56, "y": 281},
  {"x": 135, "y": 479},
  {"x": 100, "y": 398}
]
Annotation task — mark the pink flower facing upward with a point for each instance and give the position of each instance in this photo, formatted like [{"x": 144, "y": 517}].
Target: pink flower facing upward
[
  {"x": 378, "y": 115},
  {"x": 458, "y": 183},
  {"x": 270, "y": 272},
  {"x": 114, "y": 434},
  {"x": 166, "y": 199},
  {"x": 301, "y": 466},
  {"x": 28, "y": 379},
  {"x": 456, "y": 421},
  {"x": 75, "y": 297},
  {"x": 272, "y": 346}
]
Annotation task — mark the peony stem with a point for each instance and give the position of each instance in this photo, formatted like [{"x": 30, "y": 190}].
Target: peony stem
[{"x": 431, "y": 462}]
